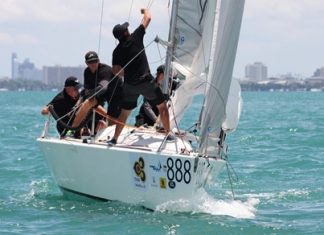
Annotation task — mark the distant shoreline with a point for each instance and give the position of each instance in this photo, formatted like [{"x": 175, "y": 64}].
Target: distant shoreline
[
  {"x": 33, "y": 85},
  {"x": 282, "y": 85}
]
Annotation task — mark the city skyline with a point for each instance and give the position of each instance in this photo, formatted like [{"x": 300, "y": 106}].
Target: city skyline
[
  {"x": 26, "y": 69},
  {"x": 286, "y": 36}
]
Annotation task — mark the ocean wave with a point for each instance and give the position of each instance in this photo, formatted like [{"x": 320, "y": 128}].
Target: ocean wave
[{"x": 202, "y": 202}]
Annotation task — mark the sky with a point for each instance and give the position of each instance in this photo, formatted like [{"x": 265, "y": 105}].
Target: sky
[{"x": 286, "y": 35}]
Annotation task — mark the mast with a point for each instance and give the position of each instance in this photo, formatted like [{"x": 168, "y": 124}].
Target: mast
[{"x": 171, "y": 44}]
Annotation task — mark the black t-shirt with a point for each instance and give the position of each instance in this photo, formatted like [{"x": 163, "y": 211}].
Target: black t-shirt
[
  {"x": 103, "y": 77},
  {"x": 62, "y": 104},
  {"x": 138, "y": 70}
]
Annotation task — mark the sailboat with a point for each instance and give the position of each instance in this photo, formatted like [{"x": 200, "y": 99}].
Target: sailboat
[{"x": 143, "y": 167}]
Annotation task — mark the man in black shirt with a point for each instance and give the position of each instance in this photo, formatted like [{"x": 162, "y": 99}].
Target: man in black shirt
[
  {"x": 129, "y": 60},
  {"x": 149, "y": 113},
  {"x": 63, "y": 103},
  {"x": 100, "y": 85}
]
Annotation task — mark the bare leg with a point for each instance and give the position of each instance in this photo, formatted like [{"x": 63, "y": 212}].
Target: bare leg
[
  {"x": 164, "y": 114},
  {"x": 83, "y": 111},
  {"x": 101, "y": 111},
  {"x": 121, "y": 122}
]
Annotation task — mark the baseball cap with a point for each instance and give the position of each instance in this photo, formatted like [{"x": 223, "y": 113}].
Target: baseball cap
[
  {"x": 72, "y": 81},
  {"x": 160, "y": 69},
  {"x": 119, "y": 29},
  {"x": 91, "y": 56}
]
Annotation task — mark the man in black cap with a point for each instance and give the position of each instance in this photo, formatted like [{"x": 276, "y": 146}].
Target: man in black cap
[
  {"x": 149, "y": 113},
  {"x": 129, "y": 60},
  {"x": 100, "y": 85},
  {"x": 63, "y": 103}
]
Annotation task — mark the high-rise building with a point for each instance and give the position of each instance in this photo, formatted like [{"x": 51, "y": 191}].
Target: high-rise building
[
  {"x": 28, "y": 71},
  {"x": 51, "y": 75},
  {"x": 14, "y": 66},
  {"x": 256, "y": 72},
  {"x": 319, "y": 72},
  {"x": 25, "y": 70},
  {"x": 56, "y": 75}
]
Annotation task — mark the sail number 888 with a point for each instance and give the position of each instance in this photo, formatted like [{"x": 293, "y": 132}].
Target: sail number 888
[{"x": 178, "y": 170}]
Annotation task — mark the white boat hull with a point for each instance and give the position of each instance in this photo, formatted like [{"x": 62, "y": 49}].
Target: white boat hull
[{"x": 136, "y": 176}]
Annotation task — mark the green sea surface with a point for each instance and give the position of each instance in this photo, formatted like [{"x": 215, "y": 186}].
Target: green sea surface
[{"x": 277, "y": 152}]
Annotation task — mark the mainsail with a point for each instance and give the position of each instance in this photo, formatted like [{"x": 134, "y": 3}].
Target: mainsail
[{"x": 207, "y": 33}]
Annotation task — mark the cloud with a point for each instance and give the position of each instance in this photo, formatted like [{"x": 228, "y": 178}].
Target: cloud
[
  {"x": 271, "y": 29},
  {"x": 49, "y": 10},
  {"x": 26, "y": 39},
  {"x": 74, "y": 10},
  {"x": 287, "y": 9},
  {"x": 6, "y": 38},
  {"x": 9, "y": 10},
  {"x": 282, "y": 34}
]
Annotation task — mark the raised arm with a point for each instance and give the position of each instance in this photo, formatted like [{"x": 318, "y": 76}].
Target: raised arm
[{"x": 147, "y": 17}]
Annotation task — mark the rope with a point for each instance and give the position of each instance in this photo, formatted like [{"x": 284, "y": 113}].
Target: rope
[
  {"x": 115, "y": 76},
  {"x": 158, "y": 48},
  {"x": 232, "y": 176},
  {"x": 126, "y": 125},
  {"x": 72, "y": 112},
  {"x": 130, "y": 10},
  {"x": 100, "y": 28},
  {"x": 121, "y": 69},
  {"x": 96, "y": 81},
  {"x": 92, "y": 96},
  {"x": 66, "y": 126},
  {"x": 149, "y": 4}
]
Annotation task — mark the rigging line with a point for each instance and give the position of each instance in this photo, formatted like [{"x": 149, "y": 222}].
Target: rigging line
[
  {"x": 72, "y": 112},
  {"x": 100, "y": 28},
  {"x": 188, "y": 70},
  {"x": 204, "y": 81},
  {"x": 149, "y": 4},
  {"x": 232, "y": 176},
  {"x": 130, "y": 10},
  {"x": 158, "y": 48},
  {"x": 116, "y": 75},
  {"x": 131, "y": 126},
  {"x": 230, "y": 180},
  {"x": 177, "y": 126},
  {"x": 98, "y": 51},
  {"x": 160, "y": 61},
  {"x": 185, "y": 68}
]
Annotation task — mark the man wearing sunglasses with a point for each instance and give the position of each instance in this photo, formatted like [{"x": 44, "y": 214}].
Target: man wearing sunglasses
[{"x": 100, "y": 85}]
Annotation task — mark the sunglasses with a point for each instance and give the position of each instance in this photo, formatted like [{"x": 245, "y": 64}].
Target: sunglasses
[{"x": 93, "y": 62}]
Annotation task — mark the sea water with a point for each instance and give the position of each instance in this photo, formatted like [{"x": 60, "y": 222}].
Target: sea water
[{"x": 277, "y": 153}]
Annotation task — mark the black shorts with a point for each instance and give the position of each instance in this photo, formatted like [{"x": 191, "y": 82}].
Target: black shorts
[
  {"x": 149, "y": 89},
  {"x": 114, "y": 107}
]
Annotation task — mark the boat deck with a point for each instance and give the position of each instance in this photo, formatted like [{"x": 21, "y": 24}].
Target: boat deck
[{"x": 146, "y": 139}]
